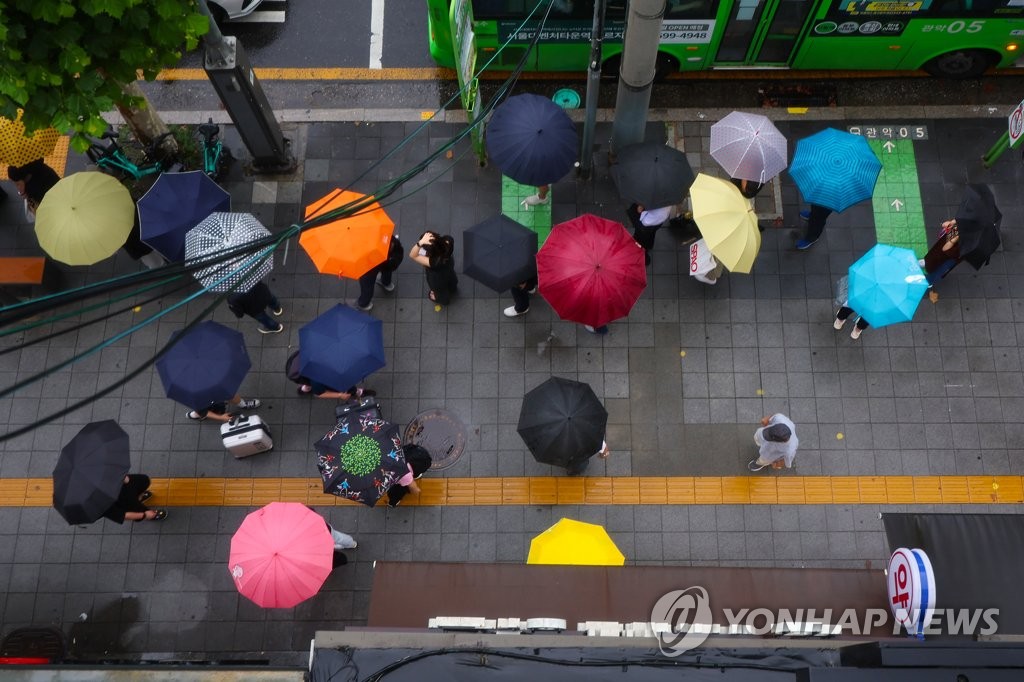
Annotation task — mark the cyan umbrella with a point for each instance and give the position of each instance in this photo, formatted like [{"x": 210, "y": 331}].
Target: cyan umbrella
[
  {"x": 835, "y": 169},
  {"x": 175, "y": 204},
  {"x": 341, "y": 347},
  {"x": 207, "y": 364},
  {"x": 886, "y": 285},
  {"x": 532, "y": 140},
  {"x": 499, "y": 253}
]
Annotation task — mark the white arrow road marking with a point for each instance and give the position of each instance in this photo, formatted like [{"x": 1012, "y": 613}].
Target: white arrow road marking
[
  {"x": 897, "y": 204},
  {"x": 889, "y": 146},
  {"x": 376, "y": 33}
]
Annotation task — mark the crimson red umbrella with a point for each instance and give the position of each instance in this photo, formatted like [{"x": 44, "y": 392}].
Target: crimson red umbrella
[{"x": 591, "y": 270}]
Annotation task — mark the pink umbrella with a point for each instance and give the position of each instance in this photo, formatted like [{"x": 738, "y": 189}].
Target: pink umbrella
[{"x": 281, "y": 555}]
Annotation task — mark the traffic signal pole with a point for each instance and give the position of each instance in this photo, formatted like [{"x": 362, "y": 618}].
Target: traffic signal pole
[
  {"x": 636, "y": 75},
  {"x": 232, "y": 76}
]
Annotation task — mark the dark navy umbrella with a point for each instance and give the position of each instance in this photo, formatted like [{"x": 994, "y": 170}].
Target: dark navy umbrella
[
  {"x": 205, "y": 365},
  {"x": 175, "y": 204},
  {"x": 341, "y": 347},
  {"x": 532, "y": 140},
  {"x": 90, "y": 472},
  {"x": 562, "y": 420},
  {"x": 499, "y": 253}
]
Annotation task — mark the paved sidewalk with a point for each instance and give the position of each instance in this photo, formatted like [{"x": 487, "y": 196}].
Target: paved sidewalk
[{"x": 684, "y": 378}]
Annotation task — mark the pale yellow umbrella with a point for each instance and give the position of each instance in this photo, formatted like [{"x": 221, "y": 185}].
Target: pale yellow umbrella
[
  {"x": 17, "y": 149},
  {"x": 575, "y": 543},
  {"x": 85, "y": 218},
  {"x": 727, "y": 222}
]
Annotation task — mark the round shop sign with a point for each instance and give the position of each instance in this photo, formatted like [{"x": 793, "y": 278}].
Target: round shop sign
[{"x": 911, "y": 583}]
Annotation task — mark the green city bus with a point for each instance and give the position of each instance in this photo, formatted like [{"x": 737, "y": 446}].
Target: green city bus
[{"x": 952, "y": 38}]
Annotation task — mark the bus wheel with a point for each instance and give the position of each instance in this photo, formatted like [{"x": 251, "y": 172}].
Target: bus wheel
[
  {"x": 664, "y": 66},
  {"x": 961, "y": 64}
]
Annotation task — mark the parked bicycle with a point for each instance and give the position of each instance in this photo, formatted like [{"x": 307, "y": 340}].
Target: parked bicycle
[
  {"x": 216, "y": 156},
  {"x": 110, "y": 158}
]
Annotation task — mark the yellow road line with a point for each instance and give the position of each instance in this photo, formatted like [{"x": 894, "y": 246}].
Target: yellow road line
[{"x": 248, "y": 492}]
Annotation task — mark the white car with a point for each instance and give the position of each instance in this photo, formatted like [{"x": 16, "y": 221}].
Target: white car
[{"x": 232, "y": 9}]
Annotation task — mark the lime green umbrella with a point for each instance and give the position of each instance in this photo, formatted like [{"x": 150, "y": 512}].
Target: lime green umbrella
[{"x": 84, "y": 218}]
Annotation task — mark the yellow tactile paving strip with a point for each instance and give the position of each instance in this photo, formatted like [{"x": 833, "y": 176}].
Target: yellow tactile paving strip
[{"x": 249, "y": 492}]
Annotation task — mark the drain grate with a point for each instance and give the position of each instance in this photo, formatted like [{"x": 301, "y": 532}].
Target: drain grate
[{"x": 823, "y": 95}]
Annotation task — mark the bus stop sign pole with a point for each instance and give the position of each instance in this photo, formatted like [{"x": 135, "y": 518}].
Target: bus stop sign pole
[{"x": 1009, "y": 139}]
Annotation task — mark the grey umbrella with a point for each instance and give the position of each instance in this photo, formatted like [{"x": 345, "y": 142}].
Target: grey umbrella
[
  {"x": 222, "y": 232},
  {"x": 748, "y": 146}
]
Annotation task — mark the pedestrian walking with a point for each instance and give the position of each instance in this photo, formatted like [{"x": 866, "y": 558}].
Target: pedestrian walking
[
  {"x": 601, "y": 331},
  {"x": 220, "y": 410},
  {"x": 33, "y": 181},
  {"x": 541, "y": 197},
  {"x": 645, "y": 225},
  {"x": 418, "y": 461},
  {"x": 380, "y": 275},
  {"x": 815, "y": 217},
  {"x": 777, "y": 443},
  {"x": 943, "y": 256},
  {"x": 129, "y": 506},
  {"x": 748, "y": 188},
  {"x": 342, "y": 541},
  {"x": 436, "y": 253},
  {"x": 521, "y": 298},
  {"x": 255, "y": 304},
  {"x": 576, "y": 467},
  {"x": 319, "y": 390},
  {"x": 844, "y": 313}
]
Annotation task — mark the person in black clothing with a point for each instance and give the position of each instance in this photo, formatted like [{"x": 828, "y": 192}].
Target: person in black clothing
[
  {"x": 815, "y": 217},
  {"x": 418, "y": 461},
  {"x": 255, "y": 303},
  {"x": 129, "y": 505},
  {"x": 33, "y": 181},
  {"x": 219, "y": 410},
  {"x": 748, "y": 188},
  {"x": 521, "y": 296},
  {"x": 436, "y": 253},
  {"x": 381, "y": 275}
]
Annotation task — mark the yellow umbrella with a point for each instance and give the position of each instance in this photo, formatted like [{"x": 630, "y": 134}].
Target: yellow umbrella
[
  {"x": 575, "y": 543},
  {"x": 85, "y": 218},
  {"x": 17, "y": 149},
  {"x": 727, "y": 221}
]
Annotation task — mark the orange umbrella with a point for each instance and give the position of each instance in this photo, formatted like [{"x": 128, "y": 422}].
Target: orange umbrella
[
  {"x": 350, "y": 246},
  {"x": 17, "y": 149}
]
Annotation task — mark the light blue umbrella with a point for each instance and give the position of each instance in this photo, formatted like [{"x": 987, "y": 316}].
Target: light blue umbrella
[
  {"x": 886, "y": 285},
  {"x": 835, "y": 169}
]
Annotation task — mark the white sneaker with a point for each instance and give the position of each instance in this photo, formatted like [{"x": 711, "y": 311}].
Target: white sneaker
[
  {"x": 386, "y": 287},
  {"x": 855, "y": 334},
  {"x": 512, "y": 312},
  {"x": 535, "y": 200},
  {"x": 838, "y": 324},
  {"x": 920, "y": 262},
  {"x": 250, "y": 404}
]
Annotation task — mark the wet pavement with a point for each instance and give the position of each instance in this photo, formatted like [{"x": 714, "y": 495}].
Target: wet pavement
[{"x": 685, "y": 379}]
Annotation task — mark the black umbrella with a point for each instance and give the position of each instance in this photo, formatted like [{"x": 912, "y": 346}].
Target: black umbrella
[
  {"x": 500, "y": 253},
  {"x": 532, "y": 140},
  {"x": 561, "y": 421},
  {"x": 978, "y": 221},
  {"x": 361, "y": 457},
  {"x": 652, "y": 174},
  {"x": 90, "y": 471}
]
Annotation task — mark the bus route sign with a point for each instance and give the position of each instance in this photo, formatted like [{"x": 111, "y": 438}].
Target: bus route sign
[{"x": 1015, "y": 123}]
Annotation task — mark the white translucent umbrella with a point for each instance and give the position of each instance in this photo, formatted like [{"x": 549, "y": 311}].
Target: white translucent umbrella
[
  {"x": 221, "y": 232},
  {"x": 748, "y": 146}
]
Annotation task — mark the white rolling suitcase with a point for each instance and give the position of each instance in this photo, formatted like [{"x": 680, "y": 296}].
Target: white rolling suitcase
[{"x": 246, "y": 436}]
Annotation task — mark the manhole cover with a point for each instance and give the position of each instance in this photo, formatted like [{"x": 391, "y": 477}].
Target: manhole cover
[{"x": 441, "y": 433}]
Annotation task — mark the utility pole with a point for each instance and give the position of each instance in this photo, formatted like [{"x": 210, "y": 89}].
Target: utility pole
[
  {"x": 228, "y": 69},
  {"x": 639, "y": 59},
  {"x": 593, "y": 89}
]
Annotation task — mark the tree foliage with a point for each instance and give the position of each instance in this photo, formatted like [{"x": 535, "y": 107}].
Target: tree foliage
[{"x": 64, "y": 62}]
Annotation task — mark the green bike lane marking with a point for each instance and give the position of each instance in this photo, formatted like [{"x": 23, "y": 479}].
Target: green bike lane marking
[
  {"x": 899, "y": 215},
  {"x": 537, "y": 218}
]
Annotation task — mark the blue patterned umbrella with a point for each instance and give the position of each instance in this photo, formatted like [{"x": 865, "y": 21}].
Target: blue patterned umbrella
[
  {"x": 205, "y": 365},
  {"x": 886, "y": 285},
  {"x": 221, "y": 232},
  {"x": 835, "y": 169},
  {"x": 532, "y": 140},
  {"x": 175, "y": 204},
  {"x": 361, "y": 457}
]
